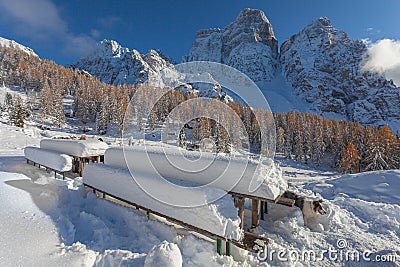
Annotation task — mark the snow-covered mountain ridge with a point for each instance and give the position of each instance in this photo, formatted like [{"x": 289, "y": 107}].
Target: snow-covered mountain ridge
[
  {"x": 14, "y": 44},
  {"x": 114, "y": 64},
  {"x": 323, "y": 65},
  {"x": 320, "y": 65},
  {"x": 317, "y": 70},
  {"x": 247, "y": 44}
]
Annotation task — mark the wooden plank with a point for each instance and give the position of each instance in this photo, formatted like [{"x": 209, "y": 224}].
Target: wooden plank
[
  {"x": 199, "y": 230},
  {"x": 255, "y": 213},
  {"x": 239, "y": 204},
  {"x": 251, "y": 197},
  {"x": 248, "y": 241},
  {"x": 286, "y": 201},
  {"x": 49, "y": 169}
]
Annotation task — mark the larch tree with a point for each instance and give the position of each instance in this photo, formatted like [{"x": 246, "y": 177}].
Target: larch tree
[{"x": 349, "y": 163}]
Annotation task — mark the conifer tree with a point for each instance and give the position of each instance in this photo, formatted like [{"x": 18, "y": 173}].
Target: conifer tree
[
  {"x": 379, "y": 146},
  {"x": 350, "y": 159}
]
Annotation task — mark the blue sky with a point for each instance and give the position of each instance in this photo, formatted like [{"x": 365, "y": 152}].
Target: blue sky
[{"x": 64, "y": 30}]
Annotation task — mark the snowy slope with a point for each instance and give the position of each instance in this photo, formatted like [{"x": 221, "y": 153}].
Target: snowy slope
[
  {"x": 14, "y": 44},
  {"x": 377, "y": 186}
]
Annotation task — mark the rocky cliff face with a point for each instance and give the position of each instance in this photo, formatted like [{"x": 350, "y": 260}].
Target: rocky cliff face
[
  {"x": 248, "y": 44},
  {"x": 114, "y": 64},
  {"x": 322, "y": 64}
]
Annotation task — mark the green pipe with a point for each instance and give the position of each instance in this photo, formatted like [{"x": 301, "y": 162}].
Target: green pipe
[
  {"x": 219, "y": 246},
  {"x": 104, "y": 195},
  {"x": 63, "y": 175},
  {"x": 148, "y": 215},
  {"x": 228, "y": 248},
  {"x": 55, "y": 175}
]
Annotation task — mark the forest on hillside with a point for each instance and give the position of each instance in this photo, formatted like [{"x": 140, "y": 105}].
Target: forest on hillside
[{"x": 347, "y": 146}]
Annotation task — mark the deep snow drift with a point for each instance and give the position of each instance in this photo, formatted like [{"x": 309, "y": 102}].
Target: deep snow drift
[
  {"x": 80, "y": 148},
  {"x": 49, "y": 158},
  {"x": 236, "y": 174},
  {"x": 219, "y": 217}
]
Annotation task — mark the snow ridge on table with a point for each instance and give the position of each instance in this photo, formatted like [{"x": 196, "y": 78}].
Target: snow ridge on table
[
  {"x": 219, "y": 217},
  {"x": 78, "y": 148},
  {"x": 49, "y": 158},
  {"x": 237, "y": 174}
]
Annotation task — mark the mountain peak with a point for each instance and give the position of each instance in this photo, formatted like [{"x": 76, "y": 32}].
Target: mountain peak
[
  {"x": 108, "y": 48},
  {"x": 252, "y": 14},
  {"x": 115, "y": 64},
  {"x": 320, "y": 24},
  {"x": 324, "y": 21},
  {"x": 250, "y": 37},
  {"x": 254, "y": 20}
]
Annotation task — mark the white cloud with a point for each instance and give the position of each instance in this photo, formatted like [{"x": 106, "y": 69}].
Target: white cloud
[
  {"x": 41, "y": 20},
  {"x": 384, "y": 57}
]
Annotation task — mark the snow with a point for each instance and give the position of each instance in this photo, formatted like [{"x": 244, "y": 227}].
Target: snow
[
  {"x": 78, "y": 148},
  {"x": 49, "y": 158},
  {"x": 165, "y": 254},
  {"x": 247, "y": 44},
  {"x": 229, "y": 173},
  {"x": 48, "y": 222},
  {"x": 114, "y": 64},
  {"x": 219, "y": 218},
  {"x": 376, "y": 186},
  {"x": 281, "y": 96},
  {"x": 324, "y": 67},
  {"x": 22, "y": 220},
  {"x": 14, "y": 44}
]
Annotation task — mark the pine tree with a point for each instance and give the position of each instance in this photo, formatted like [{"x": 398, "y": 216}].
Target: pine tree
[
  {"x": 102, "y": 119},
  {"x": 182, "y": 140}
]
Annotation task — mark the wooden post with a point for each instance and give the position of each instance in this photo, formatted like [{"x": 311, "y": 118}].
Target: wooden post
[
  {"x": 55, "y": 175},
  {"x": 27, "y": 161},
  {"x": 219, "y": 246},
  {"x": 239, "y": 204},
  {"x": 255, "y": 211},
  {"x": 228, "y": 248},
  {"x": 80, "y": 170},
  {"x": 39, "y": 166},
  {"x": 262, "y": 210},
  {"x": 63, "y": 175}
]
